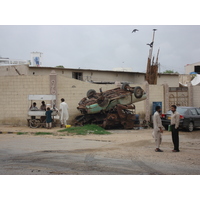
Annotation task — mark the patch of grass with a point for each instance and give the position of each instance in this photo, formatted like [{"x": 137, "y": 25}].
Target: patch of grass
[
  {"x": 43, "y": 133},
  {"x": 22, "y": 133},
  {"x": 87, "y": 129}
]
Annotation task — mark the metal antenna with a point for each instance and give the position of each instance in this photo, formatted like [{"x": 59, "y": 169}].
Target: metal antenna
[{"x": 151, "y": 50}]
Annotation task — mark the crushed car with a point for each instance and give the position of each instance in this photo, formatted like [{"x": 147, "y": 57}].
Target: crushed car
[{"x": 111, "y": 108}]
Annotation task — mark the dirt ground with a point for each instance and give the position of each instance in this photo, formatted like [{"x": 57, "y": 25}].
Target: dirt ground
[{"x": 124, "y": 152}]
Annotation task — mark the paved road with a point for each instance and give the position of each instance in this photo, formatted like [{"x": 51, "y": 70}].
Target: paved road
[{"x": 120, "y": 153}]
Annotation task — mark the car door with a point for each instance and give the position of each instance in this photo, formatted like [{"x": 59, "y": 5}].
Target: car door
[
  {"x": 195, "y": 117},
  {"x": 198, "y": 112}
]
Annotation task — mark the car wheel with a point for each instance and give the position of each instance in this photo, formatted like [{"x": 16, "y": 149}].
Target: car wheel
[
  {"x": 190, "y": 127},
  {"x": 124, "y": 86},
  {"x": 138, "y": 92},
  {"x": 90, "y": 93}
]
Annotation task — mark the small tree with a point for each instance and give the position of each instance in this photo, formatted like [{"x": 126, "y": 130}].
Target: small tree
[
  {"x": 170, "y": 72},
  {"x": 60, "y": 66}
]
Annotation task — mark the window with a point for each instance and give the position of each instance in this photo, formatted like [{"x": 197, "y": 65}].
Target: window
[
  {"x": 193, "y": 111},
  {"x": 77, "y": 75},
  {"x": 197, "y": 69},
  {"x": 182, "y": 110},
  {"x": 198, "y": 110}
]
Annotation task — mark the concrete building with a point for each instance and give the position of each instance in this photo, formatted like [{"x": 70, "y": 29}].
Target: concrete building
[
  {"x": 8, "y": 61},
  {"x": 194, "y": 67},
  {"x": 88, "y": 75},
  {"x": 19, "y": 81},
  {"x": 14, "y": 91},
  {"x": 36, "y": 58}
]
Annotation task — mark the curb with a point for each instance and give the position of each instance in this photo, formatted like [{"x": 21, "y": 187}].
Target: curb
[{"x": 7, "y": 132}]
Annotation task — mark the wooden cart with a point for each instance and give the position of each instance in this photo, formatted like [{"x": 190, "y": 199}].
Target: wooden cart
[{"x": 35, "y": 118}]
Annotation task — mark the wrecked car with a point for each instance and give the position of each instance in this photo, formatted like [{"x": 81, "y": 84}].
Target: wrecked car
[{"x": 111, "y": 108}]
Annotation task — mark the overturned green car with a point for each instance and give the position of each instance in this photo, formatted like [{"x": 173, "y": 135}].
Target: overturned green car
[{"x": 112, "y": 108}]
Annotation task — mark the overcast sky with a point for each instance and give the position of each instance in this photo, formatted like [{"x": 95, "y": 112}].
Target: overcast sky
[{"x": 103, "y": 46}]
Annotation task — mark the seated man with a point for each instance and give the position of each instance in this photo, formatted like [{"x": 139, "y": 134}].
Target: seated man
[
  {"x": 43, "y": 106},
  {"x": 33, "y": 107}
]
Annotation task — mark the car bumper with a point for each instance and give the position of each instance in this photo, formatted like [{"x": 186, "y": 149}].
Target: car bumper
[{"x": 165, "y": 123}]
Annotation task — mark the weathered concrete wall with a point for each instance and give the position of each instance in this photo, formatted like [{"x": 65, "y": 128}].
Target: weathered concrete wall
[
  {"x": 196, "y": 96},
  {"x": 190, "y": 67},
  {"x": 156, "y": 95},
  {"x": 92, "y": 75},
  {"x": 171, "y": 79},
  {"x": 14, "y": 70},
  {"x": 89, "y": 75},
  {"x": 185, "y": 78},
  {"x": 14, "y": 92}
]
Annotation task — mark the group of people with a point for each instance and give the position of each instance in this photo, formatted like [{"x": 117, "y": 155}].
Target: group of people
[
  {"x": 174, "y": 128},
  {"x": 63, "y": 111}
]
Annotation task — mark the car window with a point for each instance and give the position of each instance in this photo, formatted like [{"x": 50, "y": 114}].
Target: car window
[
  {"x": 179, "y": 110},
  {"x": 169, "y": 112},
  {"x": 182, "y": 110},
  {"x": 193, "y": 111},
  {"x": 198, "y": 110}
]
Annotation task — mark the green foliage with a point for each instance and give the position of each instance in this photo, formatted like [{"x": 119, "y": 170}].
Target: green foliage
[
  {"x": 87, "y": 129},
  {"x": 60, "y": 66},
  {"x": 170, "y": 72},
  {"x": 22, "y": 133},
  {"x": 43, "y": 133}
]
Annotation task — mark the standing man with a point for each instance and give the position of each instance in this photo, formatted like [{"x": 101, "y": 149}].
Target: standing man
[
  {"x": 63, "y": 112},
  {"x": 48, "y": 118},
  {"x": 43, "y": 106},
  {"x": 157, "y": 128},
  {"x": 175, "y": 119}
]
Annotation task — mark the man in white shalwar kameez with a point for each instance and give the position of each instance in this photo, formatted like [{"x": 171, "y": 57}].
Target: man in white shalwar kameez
[
  {"x": 64, "y": 115},
  {"x": 157, "y": 129}
]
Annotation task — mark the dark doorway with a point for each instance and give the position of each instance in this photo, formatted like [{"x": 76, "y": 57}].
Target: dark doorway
[
  {"x": 77, "y": 75},
  {"x": 197, "y": 69}
]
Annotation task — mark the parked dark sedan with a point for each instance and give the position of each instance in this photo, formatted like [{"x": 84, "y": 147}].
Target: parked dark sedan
[{"x": 189, "y": 118}]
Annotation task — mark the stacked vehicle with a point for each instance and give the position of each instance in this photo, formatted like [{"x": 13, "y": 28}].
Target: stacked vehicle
[{"x": 112, "y": 108}]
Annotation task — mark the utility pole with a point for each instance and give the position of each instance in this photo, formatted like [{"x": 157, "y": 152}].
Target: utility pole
[{"x": 152, "y": 69}]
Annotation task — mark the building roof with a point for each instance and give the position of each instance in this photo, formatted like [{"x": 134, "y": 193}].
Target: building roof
[{"x": 99, "y": 70}]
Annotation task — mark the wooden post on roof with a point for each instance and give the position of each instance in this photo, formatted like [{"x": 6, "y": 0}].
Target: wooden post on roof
[{"x": 152, "y": 69}]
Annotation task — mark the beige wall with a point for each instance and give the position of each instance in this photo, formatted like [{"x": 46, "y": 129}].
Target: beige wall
[
  {"x": 10, "y": 70},
  {"x": 190, "y": 67},
  {"x": 156, "y": 95},
  {"x": 196, "y": 96},
  {"x": 14, "y": 92},
  {"x": 171, "y": 79},
  {"x": 90, "y": 75},
  {"x": 185, "y": 78},
  {"x": 110, "y": 76}
]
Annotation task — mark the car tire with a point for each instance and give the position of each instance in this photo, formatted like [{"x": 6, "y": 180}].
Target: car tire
[
  {"x": 124, "y": 85},
  {"x": 190, "y": 127},
  {"x": 90, "y": 93},
  {"x": 138, "y": 92}
]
